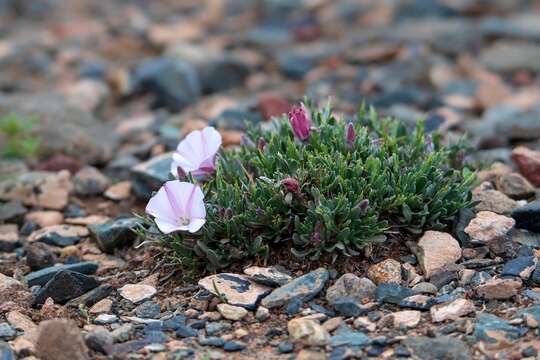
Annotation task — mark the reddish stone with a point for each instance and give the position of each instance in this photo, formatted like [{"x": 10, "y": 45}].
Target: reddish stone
[
  {"x": 271, "y": 105},
  {"x": 59, "y": 162},
  {"x": 528, "y": 162},
  {"x": 307, "y": 32}
]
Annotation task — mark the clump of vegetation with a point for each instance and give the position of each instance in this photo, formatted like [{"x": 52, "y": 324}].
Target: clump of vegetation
[
  {"x": 17, "y": 139},
  {"x": 321, "y": 186}
]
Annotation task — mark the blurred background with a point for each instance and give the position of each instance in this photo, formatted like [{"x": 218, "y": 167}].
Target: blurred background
[{"x": 114, "y": 83}]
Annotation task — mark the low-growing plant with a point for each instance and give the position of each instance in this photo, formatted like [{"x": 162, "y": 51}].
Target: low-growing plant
[
  {"x": 317, "y": 185},
  {"x": 18, "y": 141}
]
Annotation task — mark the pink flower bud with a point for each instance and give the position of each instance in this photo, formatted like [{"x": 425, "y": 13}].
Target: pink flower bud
[
  {"x": 300, "y": 122},
  {"x": 350, "y": 135},
  {"x": 261, "y": 144},
  {"x": 291, "y": 184}
]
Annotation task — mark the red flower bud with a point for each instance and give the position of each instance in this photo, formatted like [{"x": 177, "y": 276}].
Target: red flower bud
[
  {"x": 291, "y": 184},
  {"x": 300, "y": 122}
]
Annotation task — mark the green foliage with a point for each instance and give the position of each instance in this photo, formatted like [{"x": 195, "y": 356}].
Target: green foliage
[
  {"x": 390, "y": 178},
  {"x": 17, "y": 134}
]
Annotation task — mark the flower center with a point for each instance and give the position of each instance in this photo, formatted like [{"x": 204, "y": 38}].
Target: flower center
[{"x": 183, "y": 221}]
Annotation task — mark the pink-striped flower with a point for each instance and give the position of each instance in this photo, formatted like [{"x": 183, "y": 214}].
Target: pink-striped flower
[
  {"x": 300, "y": 120},
  {"x": 178, "y": 206},
  {"x": 196, "y": 154}
]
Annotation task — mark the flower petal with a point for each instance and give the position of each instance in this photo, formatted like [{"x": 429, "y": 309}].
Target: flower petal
[
  {"x": 195, "y": 225},
  {"x": 160, "y": 207},
  {"x": 212, "y": 141},
  {"x": 197, "y": 208},
  {"x": 167, "y": 227}
]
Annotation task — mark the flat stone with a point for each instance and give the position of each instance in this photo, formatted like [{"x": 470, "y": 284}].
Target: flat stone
[
  {"x": 12, "y": 211},
  {"x": 269, "y": 276},
  {"x": 528, "y": 217},
  {"x": 103, "y": 306},
  {"x": 492, "y": 329},
  {"x": 82, "y": 136},
  {"x": 499, "y": 289},
  {"x": 60, "y": 235},
  {"x": 350, "y": 285},
  {"x": 150, "y": 175},
  {"x": 60, "y": 339},
  {"x": 528, "y": 162},
  {"x": 386, "y": 271},
  {"x": 521, "y": 267},
  {"x": 488, "y": 226},
  {"x": 45, "y": 218},
  {"x": 21, "y": 322},
  {"x": 44, "y": 275},
  {"x": 7, "y": 332},
  {"x": 115, "y": 234},
  {"x": 392, "y": 293},
  {"x": 349, "y": 307},
  {"x": 406, "y": 319},
  {"x": 437, "y": 250},
  {"x": 505, "y": 56},
  {"x": 92, "y": 297},
  {"x": 425, "y": 288},
  {"x": 345, "y": 336},
  {"x": 309, "y": 331},
  {"x": 137, "y": 293},
  {"x": 305, "y": 287},
  {"x": 494, "y": 201},
  {"x": 452, "y": 310},
  {"x": 417, "y": 302},
  {"x": 41, "y": 189},
  {"x": 9, "y": 237},
  {"x": 238, "y": 290},
  {"x": 515, "y": 186},
  {"x": 440, "y": 347},
  {"x": 104, "y": 319},
  {"x": 89, "y": 181},
  {"x": 119, "y": 191},
  {"x": 148, "y": 310},
  {"x": 65, "y": 286},
  {"x": 98, "y": 339},
  {"x": 230, "y": 312}
]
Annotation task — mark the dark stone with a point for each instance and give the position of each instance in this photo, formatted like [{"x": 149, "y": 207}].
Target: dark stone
[
  {"x": 149, "y": 176},
  {"x": 42, "y": 276},
  {"x": 233, "y": 346},
  {"x": 184, "y": 331},
  {"x": 531, "y": 314},
  {"x": 442, "y": 347},
  {"x": 232, "y": 119},
  {"x": 212, "y": 341},
  {"x": 174, "y": 83},
  {"x": 519, "y": 267},
  {"x": 28, "y": 228},
  {"x": 148, "y": 310},
  {"x": 65, "y": 286},
  {"x": 285, "y": 347},
  {"x": 223, "y": 74},
  {"x": 491, "y": 329},
  {"x": 346, "y": 336},
  {"x": 528, "y": 217},
  {"x": 375, "y": 351},
  {"x": 12, "y": 212},
  {"x": 401, "y": 351},
  {"x": 119, "y": 168},
  {"x": 305, "y": 287},
  {"x": 392, "y": 293},
  {"x": 38, "y": 256},
  {"x": 294, "y": 306},
  {"x": 113, "y": 235},
  {"x": 197, "y": 324},
  {"x": 91, "y": 297},
  {"x": 98, "y": 340},
  {"x": 348, "y": 307},
  {"x": 461, "y": 221},
  {"x": 529, "y": 352},
  {"x": 442, "y": 278},
  {"x": 74, "y": 211},
  {"x": 214, "y": 328},
  {"x": 321, "y": 309},
  {"x": 174, "y": 323}
]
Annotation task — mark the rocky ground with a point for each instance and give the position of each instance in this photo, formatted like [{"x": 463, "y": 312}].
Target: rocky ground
[{"x": 113, "y": 86}]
